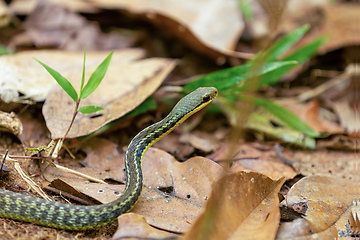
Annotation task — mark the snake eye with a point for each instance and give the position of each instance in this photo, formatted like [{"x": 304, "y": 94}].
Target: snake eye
[{"x": 206, "y": 98}]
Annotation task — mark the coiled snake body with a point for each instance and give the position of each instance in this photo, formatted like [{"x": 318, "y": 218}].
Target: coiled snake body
[{"x": 75, "y": 217}]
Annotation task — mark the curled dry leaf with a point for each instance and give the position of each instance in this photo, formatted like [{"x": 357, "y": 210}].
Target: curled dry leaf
[
  {"x": 326, "y": 200},
  {"x": 134, "y": 225},
  {"x": 126, "y": 84},
  {"x": 214, "y": 30},
  {"x": 242, "y": 205},
  {"x": 9, "y": 122}
]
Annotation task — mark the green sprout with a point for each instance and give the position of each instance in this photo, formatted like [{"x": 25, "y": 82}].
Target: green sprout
[{"x": 93, "y": 82}]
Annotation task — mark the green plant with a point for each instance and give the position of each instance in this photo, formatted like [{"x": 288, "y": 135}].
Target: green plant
[
  {"x": 93, "y": 82},
  {"x": 265, "y": 68}
]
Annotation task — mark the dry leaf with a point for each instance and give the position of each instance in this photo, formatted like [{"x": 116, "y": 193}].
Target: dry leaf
[
  {"x": 177, "y": 189},
  {"x": 242, "y": 205},
  {"x": 51, "y": 25},
  {"x": 125, "y": 85},
  {"x": 248, "y": 157},
  {"x": 326, "y": 198},
  {"x": 327, "y": 163},
  {"x": 9, "y": 122},
  {"x": 23, "y": 76},
  {"x": 309, "y": 112},
  {"x": 214, "y": 30},
  {"x": 132, "y": 225}
]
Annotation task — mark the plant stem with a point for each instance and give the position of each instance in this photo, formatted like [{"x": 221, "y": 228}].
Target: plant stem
[{"x": 72, "y": 120}]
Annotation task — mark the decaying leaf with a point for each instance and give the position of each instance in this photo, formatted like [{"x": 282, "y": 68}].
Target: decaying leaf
[
  {"x": 134, "y": 225},
  {"x": 242, "y": 205},
  {"x": 326, "y": 200}
]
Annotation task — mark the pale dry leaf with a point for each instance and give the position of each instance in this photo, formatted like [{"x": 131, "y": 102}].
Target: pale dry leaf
[
  {"x": 242, "y": 205},
  {"x": 134, "y": 225},
  {"x": 326, "y": 198},
  {"x": 125, "y": 86},
  {"x": 348, "y": 116},
  {"x": 216, "y": 28},
  {"x": 9, "y": 122},
  {"x": 25, "y": 78}
]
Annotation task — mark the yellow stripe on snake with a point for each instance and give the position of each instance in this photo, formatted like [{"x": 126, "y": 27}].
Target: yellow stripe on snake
[{"x": 75, "y": 217}]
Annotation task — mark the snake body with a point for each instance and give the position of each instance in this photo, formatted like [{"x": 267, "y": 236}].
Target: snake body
[{"x": 75, "y": 217}]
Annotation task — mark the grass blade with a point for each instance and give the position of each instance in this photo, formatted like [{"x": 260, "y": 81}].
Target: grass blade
[
  {"x": 63, "y": 82},
  {"x": 96, "y": 78}
]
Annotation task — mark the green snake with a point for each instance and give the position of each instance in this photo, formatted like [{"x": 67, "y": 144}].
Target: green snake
[{"x": 39, "y": 211}]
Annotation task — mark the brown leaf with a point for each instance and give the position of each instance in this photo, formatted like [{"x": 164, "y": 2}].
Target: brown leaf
[
  {"x": 177, "y": 189},
  {"x": 309, "y": 112},
  {"x": 327, "y": 198},
  {"x": 242, "y": 205},
  {"x": 249, "y": 157},
  {"x": 132, "y": 225},
  {"x": 326, "y": 163},
  {"x": 125, "y": 85},
  {"x": 51, "y": 25}
]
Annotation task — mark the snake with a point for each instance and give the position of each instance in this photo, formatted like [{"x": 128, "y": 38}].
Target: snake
[{"x": 21, "y": 207}]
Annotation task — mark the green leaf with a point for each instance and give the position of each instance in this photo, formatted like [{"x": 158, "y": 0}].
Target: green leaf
[
  {"x": 96, "y": 78},
  {"x": 285, "y": 43},
  {"x": 281, "y": 46},
  {"x": 5, "y": 51},
  {"x": 306, "y": 51},
  {"x": 285, "y": 115},
  {"x": 90, "y": 109},
  {"x": 273, "y": 72},
  {"x": 246, "y": 10},
  {"x": 234, "y": 77},
  {"x": 83, "y": 74},
  {"x": 63, "y": 82}
]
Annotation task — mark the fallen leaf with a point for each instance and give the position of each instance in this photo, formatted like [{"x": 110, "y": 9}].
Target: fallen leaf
[
  {"x": 348, "y": 116},
  {"x": 199, "y": 143},
  {"x": 309, "y": 112},
  {"x": 326, "y": 198},
  {"x": 242, "y": 205},
  {"x": 53, "y": 25},
  {"x": 177, "y": 189},
  {"x": 126, "y": 84},
  {"x": 132, "y": 225},
  {"x": 312, "y": 163},
  {"x": 249, "y": 157},
  {"x": 24, "y": 78},
  {"x": 213, "y": 31},
  {"x": 9, "y": 122}
]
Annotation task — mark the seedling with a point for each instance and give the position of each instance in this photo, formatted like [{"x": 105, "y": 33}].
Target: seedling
[{"x": 93, "y": 82}]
